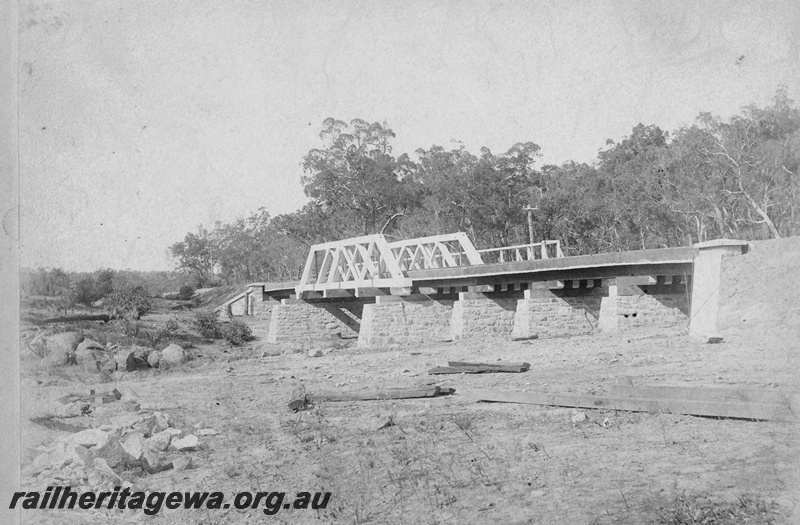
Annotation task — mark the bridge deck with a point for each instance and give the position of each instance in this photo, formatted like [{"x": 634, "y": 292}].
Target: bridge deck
[{"x": 665, "y": 261}]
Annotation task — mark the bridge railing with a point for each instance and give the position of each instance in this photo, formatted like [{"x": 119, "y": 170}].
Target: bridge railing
[{"x": 522, "y": 252}]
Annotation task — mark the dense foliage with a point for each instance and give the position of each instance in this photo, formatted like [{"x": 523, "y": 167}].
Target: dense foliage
[
  {"x": 236, "y": 332},
  {"x": 735, "y": 178},
  {"x": 129, "y": 302},
  {"x": 207, "y": 324}
]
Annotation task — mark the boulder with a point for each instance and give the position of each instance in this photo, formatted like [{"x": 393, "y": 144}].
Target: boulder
[
  {"x": 91, "y": 358},
  {"x": 88, "y": 344},
  {"x": 153, "y": 359},
  {"x": 137, "y": 359},
  {"x": 60, "y": 348},
  {"x": 173, "y": 355}
]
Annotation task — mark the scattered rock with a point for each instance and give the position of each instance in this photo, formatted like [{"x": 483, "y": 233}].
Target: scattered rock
[
  {"x": 146, "y": 425},
  {"x": 206, "y": 432},
  {"x": 154, "y": 461},
  {"x": 579, "y": 417},
  {"x": 159, "y": 442},
  {"x": 124, "y": 421},
  {"x": 174, "y": 431},
  {"x": 189, "y": 442},
  {"x": 388, "y": 422},
  {"x": 162, "y": 421},
  {"x": 103, "y": 467},
  {"x": 315, "y": 352},
  {"x": 91, "y": 437},
  {"x": 137, "y": 359},
  {"x": 113, "y": 453},
  {"x": 712, "y": 339},
  {"x": 121, "y": 359},
  {"x": 153, "y": 359},
  {"x": 182, "y": 463},
  {"x": 173, "y": 355},
  {"x": 134, "y": 444}
]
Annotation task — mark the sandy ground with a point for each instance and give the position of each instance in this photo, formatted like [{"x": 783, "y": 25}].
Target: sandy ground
[{"x": 452, "y": 459}]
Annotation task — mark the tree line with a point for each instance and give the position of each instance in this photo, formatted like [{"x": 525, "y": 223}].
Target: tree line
[{"x": 735, "y": 178}]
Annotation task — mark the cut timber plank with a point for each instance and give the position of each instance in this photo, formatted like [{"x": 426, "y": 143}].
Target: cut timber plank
[
  {"x": 398, "y": 393},
  {"x": 476, "y": 369},
  {"x": 527, "y": 366},
  {"x": 742, "y": 410},
  {"x": 722, "y": 394}
]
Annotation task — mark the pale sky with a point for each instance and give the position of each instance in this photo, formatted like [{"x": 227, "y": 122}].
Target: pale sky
[{"x": 140, "y": 120}]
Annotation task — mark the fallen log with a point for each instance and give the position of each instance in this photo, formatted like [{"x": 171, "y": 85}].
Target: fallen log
[
  {"x": 476, "y": 369},
  {"x": 75, "y": 318},
  {"x": 694, "y": 407},
  {"x": 454, "y": 364}
]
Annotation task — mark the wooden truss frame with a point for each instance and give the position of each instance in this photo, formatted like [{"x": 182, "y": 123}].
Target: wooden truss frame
[{"x": 370, "y": 262}]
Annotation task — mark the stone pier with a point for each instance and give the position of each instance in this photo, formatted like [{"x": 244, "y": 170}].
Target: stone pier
[
  {"x": 554, "y": 310},
  {"x": 635, "y": 302},
  {"x": 300, "y": 321},
  {"x": 403, "y": 320},
  {"x": 478, "y": 314}
]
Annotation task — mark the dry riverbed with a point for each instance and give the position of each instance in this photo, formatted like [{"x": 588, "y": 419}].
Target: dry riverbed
[{"x": 452, "y": 459}]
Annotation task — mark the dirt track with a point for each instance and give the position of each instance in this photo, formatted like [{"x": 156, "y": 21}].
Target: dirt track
[{"x": 452, "y": 460}]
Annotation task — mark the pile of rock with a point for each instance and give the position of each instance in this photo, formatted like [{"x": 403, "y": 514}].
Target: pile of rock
[
  {"x": 72, "y": 348},
  {"x": 114, "y": 454}
]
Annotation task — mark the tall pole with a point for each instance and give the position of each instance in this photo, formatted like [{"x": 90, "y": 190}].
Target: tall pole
[{"x": 530, "y": 211}]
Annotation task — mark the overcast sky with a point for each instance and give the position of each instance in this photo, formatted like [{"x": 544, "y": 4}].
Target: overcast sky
[{"x": 140, "y": 120}]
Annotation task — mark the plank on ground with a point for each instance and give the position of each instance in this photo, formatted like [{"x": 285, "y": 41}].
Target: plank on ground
[
  {"x": 480, "y": 369},
  {"x": 454, "y": 364},
  {"x": 742, "y": 410},
  {"x": 721, "y": 394},
  {"x": 398, "y": 393}
]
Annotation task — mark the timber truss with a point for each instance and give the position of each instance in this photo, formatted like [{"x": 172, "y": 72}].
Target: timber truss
[{"x": 361, "y": 265}]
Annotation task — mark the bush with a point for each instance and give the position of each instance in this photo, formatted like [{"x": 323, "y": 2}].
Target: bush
[
  {"x": 130, "y": 302},
  {"x": 207, "y": 323},
  {"x": 236, "y": 332},
  {"x": 172, "y": 325},
  {"x": 186, "y": 292}
]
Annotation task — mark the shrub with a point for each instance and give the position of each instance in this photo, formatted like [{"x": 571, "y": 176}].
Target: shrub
[
  {"x": 127, "y": 327},
  {"x": 236, "y": 332},
  {"x": 186, "y": 292},
  {"x": 130, "y": 302},
  {"x": 172, "y": 325},
  {"x": 207, "y": 323}
]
